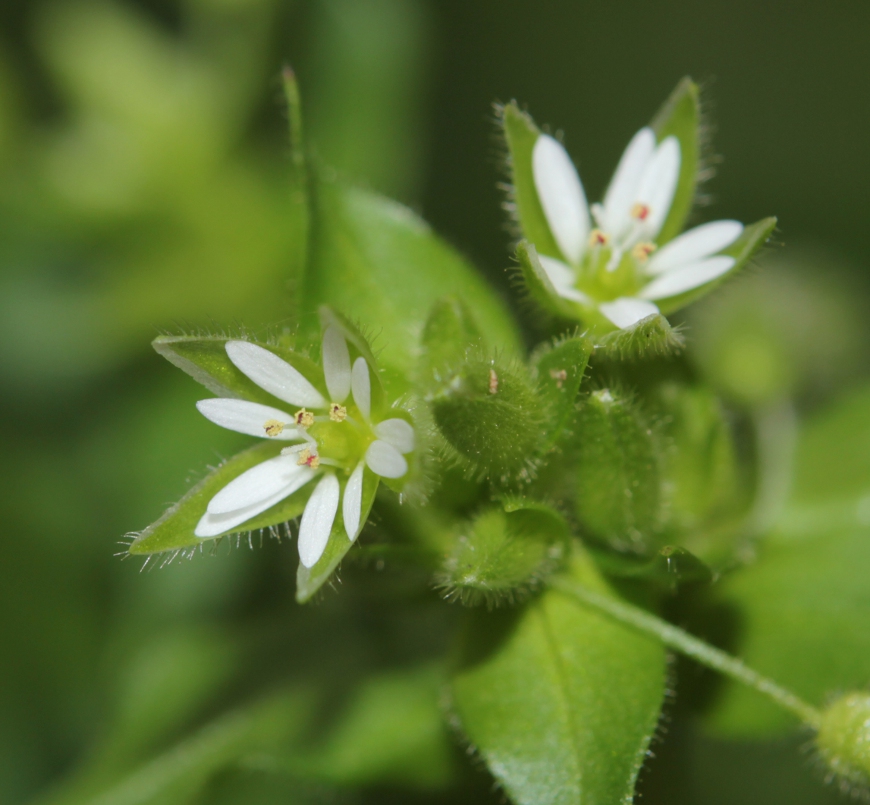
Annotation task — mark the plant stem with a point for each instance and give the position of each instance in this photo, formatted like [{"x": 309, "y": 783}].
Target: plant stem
[{"x": 680, "y": 640}]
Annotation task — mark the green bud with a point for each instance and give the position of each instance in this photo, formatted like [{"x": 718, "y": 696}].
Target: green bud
[
  {"x": 843, "y": 740},
  {"x": 618, "y": 485},
  {"x": 491, "y": 414},
  {"x": 500, "y": 556}
]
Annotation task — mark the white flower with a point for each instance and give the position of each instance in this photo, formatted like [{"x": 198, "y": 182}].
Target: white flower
[
  {"x": 617, "y": 267},
  {"x": 382, "y": 445}
]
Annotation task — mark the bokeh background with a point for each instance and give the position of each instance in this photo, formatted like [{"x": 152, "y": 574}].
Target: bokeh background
[{"x": 142, "y": 189}]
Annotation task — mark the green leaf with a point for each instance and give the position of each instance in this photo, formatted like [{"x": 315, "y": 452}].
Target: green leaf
[
  {"x": 205, "y": 359},
  {"x": 559, "y": 700},
  {"x": 377, "y": 262},
  {"x": 449, "y": 333},
  {"x": 680, "y": 117},
  {"x": 521, "y": 134},
  {"x": 502, "y": 554},
  {"x": 559, "y": 368},
  {"x": 671, "y": 567},
  {"x": 310, "y": 580},
  {"x": 174, "y": 530},
  {"x": 618, "y": 477},
  {"x": 649, "y": 337},
  {"x": 804, "y": 604},
  {"x": 753, "y": 238},
  {"x": 392, "y": 732}
]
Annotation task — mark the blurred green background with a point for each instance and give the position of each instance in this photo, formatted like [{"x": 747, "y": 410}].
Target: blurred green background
[{"x": 142, "y": 189}]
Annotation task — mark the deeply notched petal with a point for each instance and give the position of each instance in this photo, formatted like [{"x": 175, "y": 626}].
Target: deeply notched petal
[
  {"x": 279, "y": 475},
  {"x": 562, "y": 278},
  {"x": 383, "y": 459},
  {"x": 688, "y": 277},
  {"x": 694, "y": 245},
  {"x": 351, "y": 504},
  {"x": 362, "y": 387},
  {"x": 659, "y": 183},
  {"x": 211, "y": 525},
  {"x": 396, "y": 432},
  {"x": 562, "y": 198},
  {"x": 274, "y": 375},
  {"x": 246, "y": 417},
  {"x": 622, "y": 192},
  {"x": 626, "y": 311},
  {"x": 317, "y": 520},
  {"x": 336, "y": 364}
]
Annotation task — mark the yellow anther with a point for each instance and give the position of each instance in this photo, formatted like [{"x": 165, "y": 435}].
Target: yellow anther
[
  {"x": 307, "y": 459},
  {"x": 597, "y": 237},
  {"x": 273, "y": 427},
  {"x": 642, "y": 251},
  {"x": 640, "y": 211},
  {"x": 303, "y": 418},
  {"x": 337, "y": 413}
]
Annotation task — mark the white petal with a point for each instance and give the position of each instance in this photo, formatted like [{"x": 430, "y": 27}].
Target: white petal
[
  {"x": 210, "y": 525},
  {"x": 317, "y": 520},
  {"x": 562, "y": 277},
  {"x": 396, "y": 432},
  {"x": 336, "y": 364},
  {"x": 362, "y": 387},
  {"x": 351, "y": 505},
  {"x": 276, "y": 476},
  {"x": 625, "y": 311},
  {"x": 658, "y": 184},
  {"x": 384, "y": 460},
  {"x": 688, "y": 277},
  {"x": 562, "y": 197},
  {"x": 694, "y": 245},
  {"x": 246, "y": 417},
  {"x": 274, "y": 375},
  {"x": 622, "y": 191}
]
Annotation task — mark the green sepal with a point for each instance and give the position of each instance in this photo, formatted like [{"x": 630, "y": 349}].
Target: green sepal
[
  {"x": 310, "y": 580},
  {"x": 753, "y": 238},
  {"x": 503, "y": 553},
  {"x": 538, "y": 287},
  {"x": 558, "y": 700},
  {"x": 671, "y": 567},
  {"x": 559, "y": 368},
  {"x": 205, "y": 359},
  {"x": 449, "y": 334},
  {"x": 680, "y": 116},
  {"x": 650, "y": 337},
  {"x": 174, "y": 530},
  {"x": 618, "y": 496},
  {"x": 521, "y": 134},
  {"x": 490, "y": 413}
]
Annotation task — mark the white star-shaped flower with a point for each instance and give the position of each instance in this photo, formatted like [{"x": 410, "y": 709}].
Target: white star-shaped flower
[
  {"x": 383, "y": 444},
  {"x": 616, "y": 266}
]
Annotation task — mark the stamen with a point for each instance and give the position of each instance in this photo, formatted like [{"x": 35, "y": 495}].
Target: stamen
[
  {"x": 640, "y": 211},
  {"x": 598, "y": 237},
  {"x": 308, "y": 459},
  {"x": 642, "y": 251},
  {"x": 273, "y": 427},
  {"x": 337, "y": 413},
  {"x": 303, "y": 418}
]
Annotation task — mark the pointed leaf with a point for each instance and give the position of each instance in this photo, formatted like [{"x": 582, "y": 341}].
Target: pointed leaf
[
  {"x": 449, "y": 333},
  {"x": 753, "y": 238},
  {"x": 650, "y": 337},
  {"x": 310, "y": 580},
  {"x": 205, "y": 359},
  {"x": 680, "y": 117},
  {"x": 558, "y": 700},
  {"x": 174, "y": 530}
]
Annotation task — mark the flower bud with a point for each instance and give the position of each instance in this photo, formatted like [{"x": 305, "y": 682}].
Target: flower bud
[{"x": 843, "y": 740}]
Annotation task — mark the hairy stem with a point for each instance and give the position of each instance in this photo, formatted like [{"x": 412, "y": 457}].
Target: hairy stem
[{"x": 680, "y": 640}]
